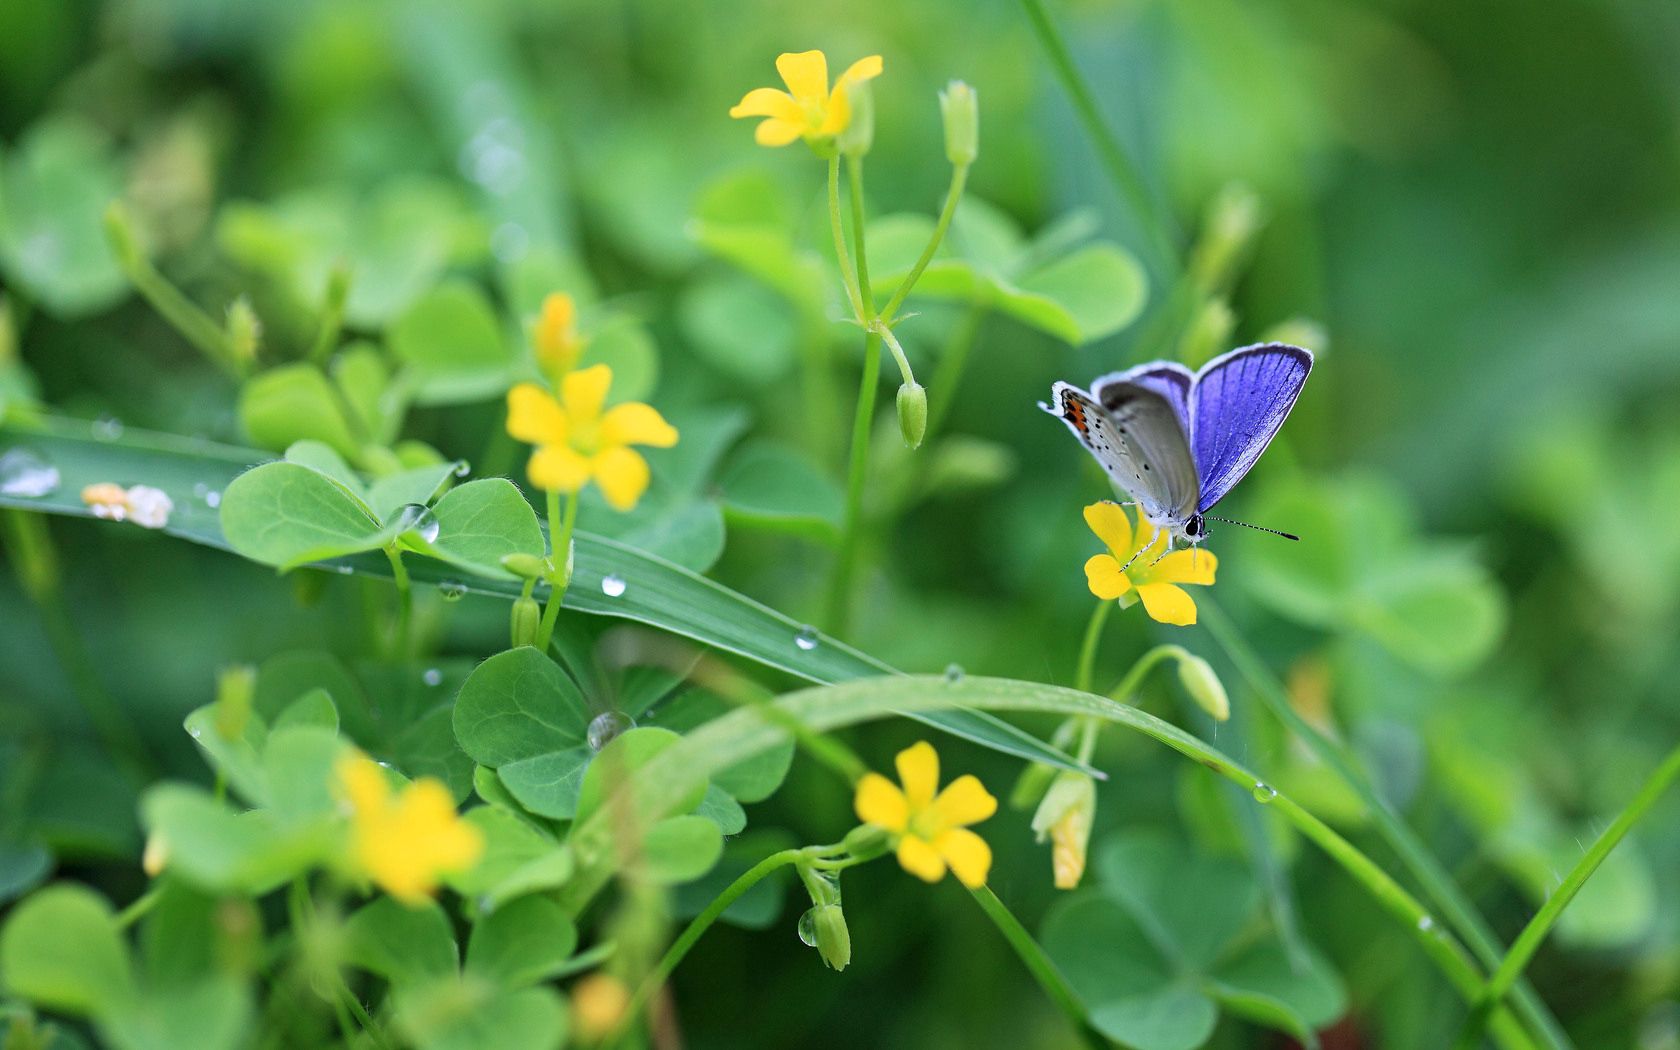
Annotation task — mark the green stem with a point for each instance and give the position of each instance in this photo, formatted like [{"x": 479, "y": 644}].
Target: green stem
[
  {"x": 691, "y": 935},
  {"x": 1038, "y": 964},
  {"x": 1088, "y": 647},
  {"x": 405, "y": 601},
  {"x": 1528, "y": 942},
  {"x": 332, "y": 315},
  {"x": 905, "y": 374},
  {"x": 854, "y": 190},
  {"x": 1436, "y": 883},
  {"x": 863, "y": 422},
  {"x": 953, "y": 194},
  {"x": 1124, "y": 173},
  {"x": 1128, "y": 686},
  {"x": 35, "y": 559},
  {"x": 184, "y": 315},
  {"x": 137, "y": 911},
  {"x": 947, "y": 377},
  {"x": 560, "y": 552},
  {"x": 375, "y": 1031},
  {"x": 848, "y": 276}
]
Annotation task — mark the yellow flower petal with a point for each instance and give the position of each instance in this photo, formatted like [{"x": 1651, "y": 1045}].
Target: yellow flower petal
[
  {"x": 363, "y": 783},
  {"x": 623, "y": 476},
  {"x": 1108, "y": 520},
  {"x": 1191, "y": 566},
  {"x": 805, "y": 73},
  {"x": 920, "y": 859},
  {"x": 584, "y": 392},
  {"x": 534, "y": 416},
  {"x": 1168, "y": 603},
  {"x": 558, "y": 468},
  {"x": 967, "y": 854},
  {"x": 918, "y": 771},
  {"x": 964, "y": 801},
  {"x": 774, "y": 132},
  {"x": 879, "y": 801},
  {"x": 634, "y": 423},
  {"x": 1103, "y": 576},
  {"x": 556, "y": 338},
  {"x": 863, "y": 69},
  {"x": 767, "y": 102},
  {"x": 839, "y": 109}
]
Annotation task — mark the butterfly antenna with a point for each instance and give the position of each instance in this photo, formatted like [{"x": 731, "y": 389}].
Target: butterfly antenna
[{"x": 1257, "y": 528}]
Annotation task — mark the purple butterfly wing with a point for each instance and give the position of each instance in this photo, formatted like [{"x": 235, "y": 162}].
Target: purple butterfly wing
[
  {"x": 1168, "y": 378},
  {"x": 1237, "y": 403}
]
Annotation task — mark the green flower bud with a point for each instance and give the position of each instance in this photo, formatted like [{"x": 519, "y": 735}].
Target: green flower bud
[
  {"x": 865, "y": 838},
  {"x": 1065, "y": 816},
  {"x": 525, "y": 566},
  {"x": 236, "y": 691},
  {"x": 859, "y": 133},
  {"x": 960, "y": 107},
  {"x": 912, "y": 413},
  {"x": 834, "y": 941},
  {"x": 527, "y": 617},
  {"x": 1233, "y": 220},
  {"x": 1209, "y": 332},
  {"x": 119, "y": 231},
  {"x": 1204, "y": 687},
  {"x": 244, "y": 329}
]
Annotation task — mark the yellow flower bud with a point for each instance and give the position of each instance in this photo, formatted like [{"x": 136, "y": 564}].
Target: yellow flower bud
[
  {"x": 155, "y": 857},
  {"x": 912, "y": 413},
  {"x": 1065, "y": 816},
  {"x": 960, "y": 108},
  {"x": 599, "y": 1003},
  {"x": 1204, "y": 687}
]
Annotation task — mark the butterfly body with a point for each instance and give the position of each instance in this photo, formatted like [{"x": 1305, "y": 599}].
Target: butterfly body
[{"x": 1178, "y": 441}]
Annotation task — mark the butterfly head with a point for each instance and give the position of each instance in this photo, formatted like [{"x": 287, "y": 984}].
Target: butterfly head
[{"x": 1195, "y": 529}]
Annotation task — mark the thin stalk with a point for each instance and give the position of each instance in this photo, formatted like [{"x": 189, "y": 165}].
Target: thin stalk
[
  {"x": 137, "y": 911},
  {"x": 1038, "y": 964},
  {"x": 863, "y": 422},
  {"x": 953, "y": 194},
  {"x": 184, "y": 315},
  {"x": 848, "y": 276},
  {"x": 405, "y": 601},
  {"x": 1088, "y": 647},
  {"x": 332, "y": 314},
  {"x": 854, "y": 190},
  {"x": 1436, "y": 883},
  {"x": 560, "y": 552},
  {"x": 947, "y": 377},
  {"x": 1528, "y": 942},
  {"x": 1124, "y": 173}
]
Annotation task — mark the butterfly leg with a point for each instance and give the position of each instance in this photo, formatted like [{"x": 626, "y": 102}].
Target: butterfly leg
[{"x": 1166, "y": 552}]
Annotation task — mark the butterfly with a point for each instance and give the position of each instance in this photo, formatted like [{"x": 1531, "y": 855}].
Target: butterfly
[{"x": 1178, "y": 441}]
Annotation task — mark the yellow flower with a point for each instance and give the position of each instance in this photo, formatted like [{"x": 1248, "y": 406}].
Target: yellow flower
[
  {"x": 576, "y": 441},
  {"x": 599, "y": 1003},
  {"x": 1156, "y": 582},
  {"x": 556, "y": 335},
  {"x": 808, "y": 108},
  {"x": 404, "y": 843},
  {"x": 931, "y": 829}
]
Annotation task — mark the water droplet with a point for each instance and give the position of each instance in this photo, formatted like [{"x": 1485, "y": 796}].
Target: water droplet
[
  {"x": 1264, "y": 792},
  {"x": 953, "y": 673},
  {"x": 808, "y": 928},
  {"x": 208, "y": 495},
  {"x": 107, "y": 428},
  {"x": 462, "y": 468},
  {"x": 452, "y": 590},
  {"x": 807, "y": 638},
  {"x": 23, "y": 473},
  {"x": 606, "y": 727},
  {"x": 1425, "y": 923},
  {"x": 418, "y": 519},
  {"x": 432, "y": 677},
  {"x": 344, "y": 569},
  {"x": 195, "y": 732},
  {"x": 613, "y": 585},
  {"x": 486, "y": 905}
]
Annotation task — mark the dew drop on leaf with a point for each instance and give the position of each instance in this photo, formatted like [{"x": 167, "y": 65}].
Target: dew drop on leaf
[
  {"x": 808, "y": 928},
  {"x": 432, "y": 677},
  {"x": 953, "y": 673},
  {"x": 418, "y": 519},
  {"x": 1264, "y": 792},
  {"x": 606, "y": 727},
  {"x": 24, "y": 473},
  {"x": 806, "y": 639},
  {"x": 613, "y": 585},
  {"x": 452, "y": 590}
]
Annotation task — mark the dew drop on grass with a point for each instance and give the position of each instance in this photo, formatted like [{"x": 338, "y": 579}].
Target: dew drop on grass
[
  {"x": 806, "y": 639},
  {"x": 613, "y": 585},
  {"x": 1264, "y": 792},
  {"x": 432, "y": 677},
  {"x": 23, "y": 473},
  {"x": 462, "y": 468},
  {"x": 953, "y": 673},
  {"x": 210, "y": 497},
  {"x": 452, "y": 590},
  {"x": 1425, "y": 923},
  {"x": 608, "y": 726},
  {"x": 107, "y": 428},
  {"x": 808, "y": 928},
  {"x": 419, "y": 519}
]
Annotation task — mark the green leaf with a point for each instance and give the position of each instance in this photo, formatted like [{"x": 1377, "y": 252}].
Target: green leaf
[
  {"x": 1199, "y": 903},
  {"x": 680, "y": 849},
  {"x": 469, "y": 1014},
  {"x": 404, "y": 944},
  {"x": 548, "y": 784},
  {"x": 1101, "y": 286},
  {"x": 656, "y": 592},
  {"x": 718, "y": 807},
  {"x": 364, "y": 383},
  {"x": 293, "y": 403},
  {"x": 517, "y": 705},
  {"x": 623, "y": 344},
  {"x": 481, "y": 522},
  {"x": 213, "y": 1013},
  {"x": 319, "y": 456},
  {"x": 518, "y": 859},
  {"x": 1177, "y": 1017},
  {"x": 300, "y": 763},
  {"x": 238, "y": 759},
  {"x": 522, "y": 943},
  {"x": 54, "y": 188},
  {"x": 619, "y": 762},
  {"x": 741, "y": 328},
  {"x": 286, "y": 515},
  {"x": 211, "y": 846},
  {"x": 417, "y": 485},
  {"x": 23, "y": 866},
  {"x": 1314, "y": 994},
  {"x": 61, "y": 948},
  {"x": 752, "y": 780},
  {"x": 426, "y": 747},
  {"x": 760, "y": 906},
  {"x": 314, "y": 708},
  {"x": 452, "y": 344},
  {"x": 776, "y": 488}
]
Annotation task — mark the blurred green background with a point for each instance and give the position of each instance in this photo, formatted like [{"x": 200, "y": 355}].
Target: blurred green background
[{"x": 1476, "y": 206}]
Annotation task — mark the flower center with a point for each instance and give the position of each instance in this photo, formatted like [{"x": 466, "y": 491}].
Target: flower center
[{"x": 926, "y": 824}]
